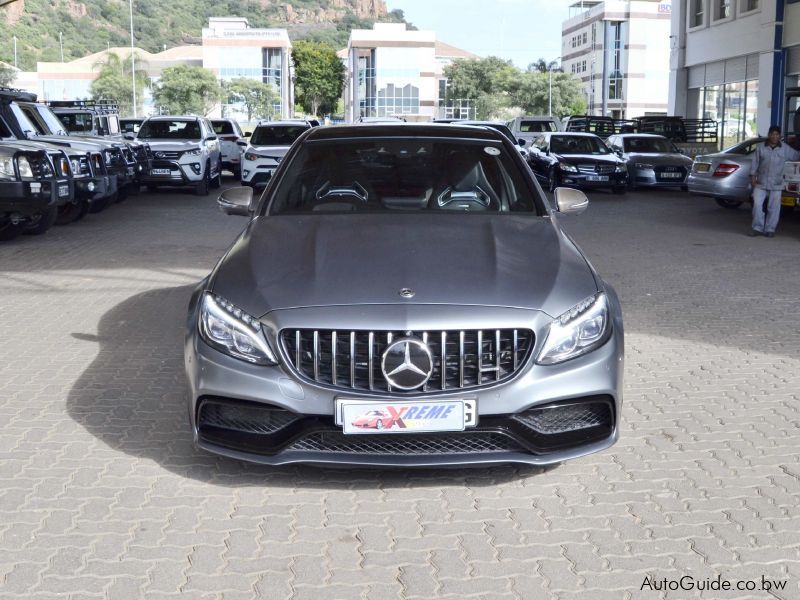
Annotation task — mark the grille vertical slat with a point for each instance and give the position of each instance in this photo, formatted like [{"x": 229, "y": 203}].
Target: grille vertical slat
[{"x": 474, "y": 358}]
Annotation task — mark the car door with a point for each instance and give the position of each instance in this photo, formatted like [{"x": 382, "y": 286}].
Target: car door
[
  {"x": 538, "y": 157},
  {"x": 212, "y": 143}
]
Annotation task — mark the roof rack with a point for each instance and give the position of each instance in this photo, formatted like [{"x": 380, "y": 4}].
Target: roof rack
[
  {"x": 16, "y": 94},
  {"x": 101, "y": 106}
]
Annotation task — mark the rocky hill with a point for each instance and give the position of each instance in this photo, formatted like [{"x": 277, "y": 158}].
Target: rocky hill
[{"x": 88, "y": 26}]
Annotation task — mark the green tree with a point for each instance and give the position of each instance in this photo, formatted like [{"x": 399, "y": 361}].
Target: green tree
[
  {"x": 532, "y": 90},
  {"x": 319, "y": 76},
  {"x": 486, "y": 81},
  {"x": 542, "y": 66},
  {"x": 187, "y": 90},
  {"x": 114, "y": 82},
  {"x": 7, "y": 74},
  {"x": 258, "y": 98}
]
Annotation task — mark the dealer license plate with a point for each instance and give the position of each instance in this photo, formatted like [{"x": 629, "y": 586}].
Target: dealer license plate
[
  {"x": 672, "y": 175},
  {"x": 63, "y": 190},
  {"x": 358, "y": 416},
  {"x": 160, "y": 171},
  {"x": 597, "y": 178}
]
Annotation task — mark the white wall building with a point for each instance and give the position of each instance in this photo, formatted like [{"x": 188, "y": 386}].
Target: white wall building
[
  {"x": 395, "y": 71},
  {"x": 737, "y": 61},
  {"x": 233, "y": 49},
  {"x": 619, "y": 49}
]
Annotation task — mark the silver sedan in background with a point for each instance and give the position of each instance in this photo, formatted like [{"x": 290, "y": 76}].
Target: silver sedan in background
[
  {"x": 725, "y": 176},
  {"x": 652, "y": 160}
]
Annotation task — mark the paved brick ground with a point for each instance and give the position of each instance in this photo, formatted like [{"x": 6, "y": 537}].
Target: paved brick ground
[{"x": 102, "y": 495}]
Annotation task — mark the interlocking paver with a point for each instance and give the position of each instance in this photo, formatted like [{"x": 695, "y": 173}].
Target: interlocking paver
[{"x": 103, "y": 496}]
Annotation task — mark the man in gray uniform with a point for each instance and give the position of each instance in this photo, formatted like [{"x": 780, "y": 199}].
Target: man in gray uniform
[{"x": 766, "y": 176}]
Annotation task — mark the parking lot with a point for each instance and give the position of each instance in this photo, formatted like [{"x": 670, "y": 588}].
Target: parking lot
[{"x": 102, "y": 494}]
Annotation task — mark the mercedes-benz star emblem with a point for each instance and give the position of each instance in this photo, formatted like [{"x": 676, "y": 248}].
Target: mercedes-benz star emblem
[
  {"x": 406, "y": 293},
  {"x": 407, "y": 364}
]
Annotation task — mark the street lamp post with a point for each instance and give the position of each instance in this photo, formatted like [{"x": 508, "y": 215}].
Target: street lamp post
[
  {"x": 133, "y": 61},
  {"x": 550, "y": 87},
  {"x": 61, "y": 44}
]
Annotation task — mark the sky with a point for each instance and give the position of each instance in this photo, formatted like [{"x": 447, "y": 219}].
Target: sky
[{"x": 520, "y": 30}]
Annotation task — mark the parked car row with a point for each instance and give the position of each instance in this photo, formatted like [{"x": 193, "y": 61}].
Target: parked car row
[{"x": 49, "y": 177}]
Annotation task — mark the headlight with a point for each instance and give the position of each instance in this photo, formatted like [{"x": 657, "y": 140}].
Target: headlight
[
  {"x": 76, "y": 166},
  {"x": 643, "y": 166},
  {"x": 195, "y": 152},
  {"x": 232, "y": 331},
  {"x": 579, "y": 330},
  {"x": 250, "y": 156},
  {"x": 25, "y": 169},
  {"x": 620, "y": 168},
  {"x": 568, "y": 168},
  {"x": 7, "y": 167}
]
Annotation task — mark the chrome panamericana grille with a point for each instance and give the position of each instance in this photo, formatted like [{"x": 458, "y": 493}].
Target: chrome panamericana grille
[
  {"x": 596, "y": 169},
  {"x": 167, "y": 154},
  {"x": 461, "y": 359}
]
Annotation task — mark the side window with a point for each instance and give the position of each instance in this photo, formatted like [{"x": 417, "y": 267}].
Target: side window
[
  {"x": 33, "y": 117},
  {"x": 113, "y": 124}
]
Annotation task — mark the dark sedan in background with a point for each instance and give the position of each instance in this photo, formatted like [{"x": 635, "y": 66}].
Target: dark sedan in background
[
  {"x": 725, "y": 175},
  {"x": 652, "y": 160},
  {"x": 413, "y": 271},
  {"x": 580, "y": 160}
]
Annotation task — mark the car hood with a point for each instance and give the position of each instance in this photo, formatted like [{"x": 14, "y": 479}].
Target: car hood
[
  {"x": 270, "y": 150},
  {"x": 588, "y": 158},
  {"x": 652, "y": 158},
  {"x": 67, "y": 141},
  {"x": 282, "y": 262},
  {"x": 170, "y": 145}
]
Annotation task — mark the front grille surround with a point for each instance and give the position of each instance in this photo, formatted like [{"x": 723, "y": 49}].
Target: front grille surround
[
  {"x": 355, "y": 366},
  {"x": 596, "y": 169}
]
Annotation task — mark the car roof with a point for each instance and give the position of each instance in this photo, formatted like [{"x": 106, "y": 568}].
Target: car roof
[
  {"x": 283, "y": 123},
  {"x": 173, "y": 118},
  {"x": 639, "y": 135},
  {"x": 570, "y": 134},
  {"x": 404, "y": 130},
  {"x": 225, "y": 120}
]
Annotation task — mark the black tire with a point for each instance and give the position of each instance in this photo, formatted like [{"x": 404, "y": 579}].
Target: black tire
[
  {"x": 237, "y": 173},
  {"x": 43, "y": 223},
  {"x": 71, "y": 211},
  {"x": 727, "y": 203},
  {"x": 85, "y": 205},
  {"x": 201, "y": 187},
  {"x": 122, "y": 195},
  {"x": 102, "y": 203},
  {"x": 552, "y": 180},
  {"x": 619, "y": 189},
  {"x": 9, "y": 231}
]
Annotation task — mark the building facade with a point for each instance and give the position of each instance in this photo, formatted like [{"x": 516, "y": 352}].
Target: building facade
[
  {"x": 232, "y": 49},
  {"x": 392, "y": 71},
  {"x": 737, "y": 61},
  {"x": 620, "y": 52}
]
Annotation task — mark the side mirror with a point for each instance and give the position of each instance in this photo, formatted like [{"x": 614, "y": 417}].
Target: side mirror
[
  {"x": 248, "y": 133},
  {"x": 242, "y": 144},
  {"x": 521, "y": 142},
  {"x": 570, "y": 201},
  {"x": 129, "y": 137},
  {"x": 236, "y": 201},
  {"x": 211, "y": 138}
]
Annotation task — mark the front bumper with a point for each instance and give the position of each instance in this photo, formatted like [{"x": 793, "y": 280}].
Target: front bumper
[
  {"x": 256, "y": 175},
  {"x": 306, "y": 410},
  {"x": 586, "y": 181},
  {"x": 656, "y": 179},
  {"x": 28, "y": 198},
  {"x": 171, "y": 173},
  {"x": 95, "y": 188}
]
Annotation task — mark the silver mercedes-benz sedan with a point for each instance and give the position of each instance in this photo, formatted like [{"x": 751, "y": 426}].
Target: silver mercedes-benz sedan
[
  {"x": 725, "y": 176},
  {"x": 404, "y": 295}
]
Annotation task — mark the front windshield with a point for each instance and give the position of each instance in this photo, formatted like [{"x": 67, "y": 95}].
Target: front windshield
[
  {"x": 648, "y": 145},
  {"x": 276, "y": 135},
  {"x": 28, "y": 126},
  {"x": 382, "y": 175},
  {"x": 130, "y": 126},
  {"x": 51, "y": 120},
  {"x": 573, "y": 144},
  {"x": 536, "y": 126},
  {"x": 169, "y": 130},
  {"x": 76, "y": 122}
]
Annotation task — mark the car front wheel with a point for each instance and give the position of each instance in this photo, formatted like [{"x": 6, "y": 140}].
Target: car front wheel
[
  {"x": 201, "y": 187},
  {"x": 44, "y": 222}
]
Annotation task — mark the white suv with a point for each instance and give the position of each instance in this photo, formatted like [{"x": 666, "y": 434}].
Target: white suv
[
  {"x": 269, "y": 143},
  {"x": 186, "y": 152},
  {"x": 230, "y": 134}
]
